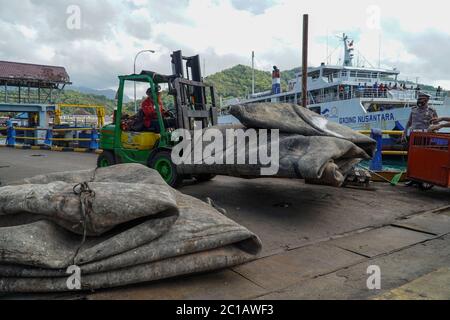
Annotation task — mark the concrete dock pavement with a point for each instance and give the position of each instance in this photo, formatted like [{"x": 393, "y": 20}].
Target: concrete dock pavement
[
  {"x": 17, "y": 164},
  {"x": 318, "y": 242},
  {"x": 432, "y": 286}
]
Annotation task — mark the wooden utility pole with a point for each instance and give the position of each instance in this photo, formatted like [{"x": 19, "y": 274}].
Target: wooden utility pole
[
  {"x": 253, "y": 72},
  {"x": 305, "y": 62}
]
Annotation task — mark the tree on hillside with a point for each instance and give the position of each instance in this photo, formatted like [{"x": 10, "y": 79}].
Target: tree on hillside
[
  {"x": 75, "y": 97},
  {"x": 237, "y": 81}
]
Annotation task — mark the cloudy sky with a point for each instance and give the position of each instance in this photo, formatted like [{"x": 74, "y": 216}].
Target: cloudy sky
[{"x": 100, "y": 43}]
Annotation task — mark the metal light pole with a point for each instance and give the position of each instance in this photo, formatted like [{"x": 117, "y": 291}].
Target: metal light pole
[{"x": 134, "y": 72}]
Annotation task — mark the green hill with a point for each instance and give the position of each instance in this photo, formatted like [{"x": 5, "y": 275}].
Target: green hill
[
  {"x": 237, "y": 81},
  {"x": 75, "y": 97}
]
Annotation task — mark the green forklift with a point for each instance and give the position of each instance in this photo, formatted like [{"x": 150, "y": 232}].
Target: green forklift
[{"x": 193, "y": 101}]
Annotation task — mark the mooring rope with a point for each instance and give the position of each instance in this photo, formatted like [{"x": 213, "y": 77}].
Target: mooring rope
[{"x": 87, "y": 196}]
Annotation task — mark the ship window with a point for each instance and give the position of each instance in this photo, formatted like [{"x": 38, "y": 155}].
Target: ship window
[
  {"x": 314, "y": 75},
  {"x": 377, "y": 107},
  {"x": 363, "y": 75}
]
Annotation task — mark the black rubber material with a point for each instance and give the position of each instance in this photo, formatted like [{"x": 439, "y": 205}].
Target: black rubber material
[{"x": 204, "y": 177}]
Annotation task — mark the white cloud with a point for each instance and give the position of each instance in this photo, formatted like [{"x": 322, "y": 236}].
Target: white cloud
[
  {"x": 223, "y": 32},
  {"x": 46, "y": 53},
  {"x": 27, "y": 32}
]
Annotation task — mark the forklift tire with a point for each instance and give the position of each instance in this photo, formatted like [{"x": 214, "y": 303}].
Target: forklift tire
[
  {"x": 106, "y": 159},
  {"x": 161, "y": 161},
  {"x": 204, "y": 177}
]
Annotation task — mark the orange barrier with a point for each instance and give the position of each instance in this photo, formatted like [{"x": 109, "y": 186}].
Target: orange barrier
[{"x": 429, "y": 158}]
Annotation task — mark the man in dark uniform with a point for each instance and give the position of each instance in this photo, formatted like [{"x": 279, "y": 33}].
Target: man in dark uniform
[{"x": 422, "y": 116}]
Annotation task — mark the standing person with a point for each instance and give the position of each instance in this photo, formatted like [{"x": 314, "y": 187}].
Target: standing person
[
  {"x": 438, "y": 91},
  {"x": 417, "y": 90},
  {"x": 360, "y": 90},
  {"x": 276, "y": 80},
  {"x": 422, "y": 116},
  {"x": 347, "y": 92},
  {"x": 341, "y": 91}
]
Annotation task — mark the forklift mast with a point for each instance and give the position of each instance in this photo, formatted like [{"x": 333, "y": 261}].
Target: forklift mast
[
  {"x": 192, "y": 64},
  {"x": 191, "y": 93}
]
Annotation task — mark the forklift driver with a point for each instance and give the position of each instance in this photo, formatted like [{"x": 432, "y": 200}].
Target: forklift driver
[{"x": 147, "y": 118}]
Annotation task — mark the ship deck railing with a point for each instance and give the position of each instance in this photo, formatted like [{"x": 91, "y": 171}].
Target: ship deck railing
[
  {"x": 371, "y": 93},
  {"x": 389, "y": 95}
]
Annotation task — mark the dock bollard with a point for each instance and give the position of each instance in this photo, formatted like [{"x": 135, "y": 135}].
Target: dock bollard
[
  {"x": 48, "y": 137},
  {"x": 377, "y": 161},
  {"x": 94, "y": 137},
  {"x": 10, "y": 134}
]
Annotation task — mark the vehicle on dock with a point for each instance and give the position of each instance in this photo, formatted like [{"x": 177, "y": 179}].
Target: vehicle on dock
[
  {"x": 360, "y": 97},
  {"x": 193, "y": 101},
  {"x": 431, "y": 149}
]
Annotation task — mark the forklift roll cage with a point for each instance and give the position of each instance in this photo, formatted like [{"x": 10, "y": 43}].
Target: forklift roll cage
[
  {"x": 185, "y": 108},
  {"x": 146, "y": 78}
]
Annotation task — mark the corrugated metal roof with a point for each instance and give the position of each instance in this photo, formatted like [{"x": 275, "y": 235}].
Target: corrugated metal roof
[{"x": 26, "y": 71}]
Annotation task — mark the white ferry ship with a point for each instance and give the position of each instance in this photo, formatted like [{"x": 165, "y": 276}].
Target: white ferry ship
[{"x": 358, "y": 97}]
